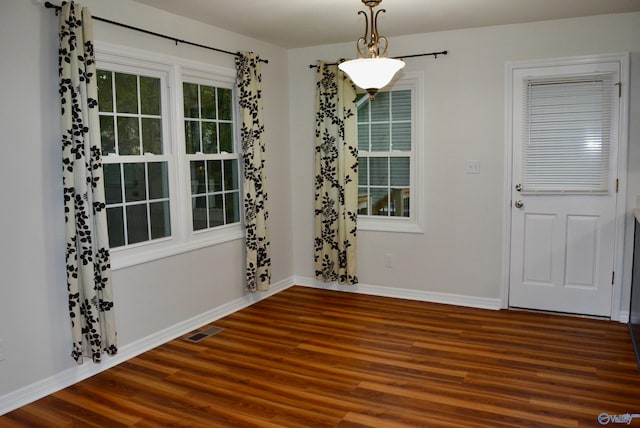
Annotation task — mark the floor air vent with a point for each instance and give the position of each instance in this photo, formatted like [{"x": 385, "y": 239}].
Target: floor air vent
[{"x": 202, "y": 335}]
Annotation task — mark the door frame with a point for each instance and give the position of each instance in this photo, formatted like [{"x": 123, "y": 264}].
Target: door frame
[{"x": 624, "y": 219}]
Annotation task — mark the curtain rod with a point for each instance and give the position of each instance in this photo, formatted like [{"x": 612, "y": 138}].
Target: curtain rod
[
  {"x": 434, "y": 54},
  {"x": 50, "y": 5}
]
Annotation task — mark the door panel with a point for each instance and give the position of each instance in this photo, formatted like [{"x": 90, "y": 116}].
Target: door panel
[
  {"x": 563, "y": 234},
  {"x": 582, "y": 255},
  {"x": 538, "y": 246}
]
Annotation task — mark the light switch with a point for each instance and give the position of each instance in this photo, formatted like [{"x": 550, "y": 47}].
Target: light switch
[{"x": 473, "y": 167}]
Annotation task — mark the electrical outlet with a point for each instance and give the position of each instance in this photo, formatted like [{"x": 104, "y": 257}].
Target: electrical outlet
[{"x": 2, "y": 354}]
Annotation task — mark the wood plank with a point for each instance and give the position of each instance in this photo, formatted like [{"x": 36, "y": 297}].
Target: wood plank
[{"x": 308, "y": 357}]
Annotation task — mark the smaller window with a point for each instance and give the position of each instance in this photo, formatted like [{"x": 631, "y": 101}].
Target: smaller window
[
  {"x": 384, "y": 143},
  {"x": 389, "y": 166},
  {"x": 211, "y": 154}
]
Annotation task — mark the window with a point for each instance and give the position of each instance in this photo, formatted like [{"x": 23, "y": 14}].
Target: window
[
  {"x": 567, "y": 132},
  {"x": 135, "y": 166},
  {"x": 171, "y": 166},
  {"x": 213, "y": 161},
  {"x": 388, "y": 145}
]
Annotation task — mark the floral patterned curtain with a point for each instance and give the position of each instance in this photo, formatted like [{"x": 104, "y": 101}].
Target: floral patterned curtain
[
  {"x": 249, "y": 81},
  {"x": 336, "y": 182},
  {"x": 87, "y": 243}
]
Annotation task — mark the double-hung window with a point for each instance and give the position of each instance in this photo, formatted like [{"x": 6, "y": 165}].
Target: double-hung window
[
  {"x": 210, "y": 151},
  {"x": 133, "y": 128},
  {"x": 389, "y": 144},
  {"x": 170, "y": 158}
]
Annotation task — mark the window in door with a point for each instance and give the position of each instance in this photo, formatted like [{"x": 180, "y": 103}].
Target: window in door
[{"x": 567, "y": 133}]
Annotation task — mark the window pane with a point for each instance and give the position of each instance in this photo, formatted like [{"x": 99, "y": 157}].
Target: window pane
[
  {"x": 190, "y": 94},
  {"x": 363, "y": 108},
  {"x": 379, "y": 171},
  {"x": 380, "y": 107},
  {"x": 137, "y": 224},
  {"x": 107, "y": 135},
  {"x": 225, "y": 108},
  {"x": 209, "y": 137},
  {"x": 399, "y": 202},
  {"x": 210, "y": 133},
  {"x": 401, "y": 136},
  {"x": 363, "y": 201},
  {"x": 126, "y": 93},
  {"x": 105, "y": 91},
  {"x": 160, "y": 220},
  {"x": 380, "y": 138},
  {"x": 128, "y": 136},
  {"x": 400, "y": 169},
  {"x": 112, "y": 183},
  {"x": 158, "y": 180},
  {"x": 232, "y": 207},
  {"x": 216, "y": 211},
  {"x": 379, "y": 202},
  {"x": 363, "y": 171},
  {"x": 401, "y": 105},
  {"x": 226, "y": 137},
  {"x": 208, "y": 100},
  {"x": 199, "y": 212},
  {"x": 230, "y": 174},
  {"x": 134, "y": 181},
  {"x": 152, "y": 136},
  {"x": 198, "y": 178},
  {"x": 192, "y": 136},
  {"x": 215, "y": 176},
  {"x": 363, "y": 137},
  {"x": 115, "y": 225},
  {"x": 149, "y": 95}
]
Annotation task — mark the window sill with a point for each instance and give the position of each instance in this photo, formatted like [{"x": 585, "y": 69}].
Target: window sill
[
  {"x": 389, "y": 225},
  {"x": 124, "y": 258}
]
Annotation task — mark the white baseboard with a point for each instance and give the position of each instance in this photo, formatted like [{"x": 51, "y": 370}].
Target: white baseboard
[
  {"x": 37, "y": 390},
  {"x": 404, "y": 293},
  {"x": 623, "y": 317}
]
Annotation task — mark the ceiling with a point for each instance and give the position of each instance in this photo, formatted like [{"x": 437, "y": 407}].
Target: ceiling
[{"x": 300, "y": 23}]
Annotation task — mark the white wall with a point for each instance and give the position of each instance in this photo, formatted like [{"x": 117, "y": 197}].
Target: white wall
[
  {"x": 151, "y": 297},
  {"x": 461, "y": 251}
]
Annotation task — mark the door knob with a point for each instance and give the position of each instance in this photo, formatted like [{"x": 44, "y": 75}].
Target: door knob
[{"x": 518, "y": 204}]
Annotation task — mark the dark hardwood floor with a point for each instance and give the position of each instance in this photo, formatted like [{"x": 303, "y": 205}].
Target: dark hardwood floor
[{"x": 315, "y": 358}]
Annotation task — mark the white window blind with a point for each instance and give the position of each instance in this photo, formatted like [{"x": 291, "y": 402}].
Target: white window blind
[
  {"x": 385, "y": 154},
  {"x": 567, "y": 133}
]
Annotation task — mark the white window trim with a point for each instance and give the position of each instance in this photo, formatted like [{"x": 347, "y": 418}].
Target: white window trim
[
  {"x": 413, "y": 81},
  {"x": 183, "y": 238}
]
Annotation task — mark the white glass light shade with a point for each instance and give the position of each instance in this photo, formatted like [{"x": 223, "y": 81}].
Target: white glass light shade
[{"x": 371, "y": 73}]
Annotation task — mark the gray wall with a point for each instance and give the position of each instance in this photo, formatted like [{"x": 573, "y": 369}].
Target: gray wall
[
  {"x": 150, "y": 297},
  {"x": 460, "y": 253}
]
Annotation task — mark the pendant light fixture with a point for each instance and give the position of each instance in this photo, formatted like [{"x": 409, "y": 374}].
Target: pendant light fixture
[{"x": 371, "y": 71}]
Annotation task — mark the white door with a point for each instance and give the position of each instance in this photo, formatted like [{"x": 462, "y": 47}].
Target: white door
[{"x": 563, "y": 210}]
